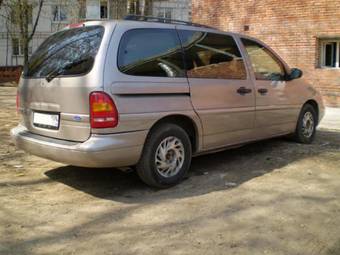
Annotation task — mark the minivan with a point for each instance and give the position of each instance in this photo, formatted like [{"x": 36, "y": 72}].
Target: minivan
[{"x": 150, "y": 93}]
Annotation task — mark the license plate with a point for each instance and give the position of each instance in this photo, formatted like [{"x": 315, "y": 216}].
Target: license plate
[{"x": 46, "y": 120}]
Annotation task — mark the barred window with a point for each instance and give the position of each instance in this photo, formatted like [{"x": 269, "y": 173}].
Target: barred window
[
  {"x": 59, "y": 13},
  {"x": 18, "y": 47}
]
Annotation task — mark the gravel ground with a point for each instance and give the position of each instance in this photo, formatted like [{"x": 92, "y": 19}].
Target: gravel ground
[{"x": 271, "y": 197}]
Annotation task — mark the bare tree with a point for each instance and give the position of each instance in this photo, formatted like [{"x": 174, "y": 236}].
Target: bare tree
[
  {"x": 140, "y": 7},
  {"x": 18, "y": 15},
  {"x": 147, "y": 8},
  {"x": 65, "y": 12}
]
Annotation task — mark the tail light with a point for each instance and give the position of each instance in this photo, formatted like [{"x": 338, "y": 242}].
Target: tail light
[
  {"x": 103, "y": 111},
  {"x": 18, "y": 101}
]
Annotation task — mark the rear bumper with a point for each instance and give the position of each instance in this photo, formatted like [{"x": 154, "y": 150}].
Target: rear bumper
[{"x": 114, "y": 150}]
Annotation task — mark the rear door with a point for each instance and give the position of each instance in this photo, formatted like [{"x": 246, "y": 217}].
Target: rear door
[
  {"x": 55, "y": 87},
  {"x": 276, "y": 112},
  {"x": 221, "y": 92}
]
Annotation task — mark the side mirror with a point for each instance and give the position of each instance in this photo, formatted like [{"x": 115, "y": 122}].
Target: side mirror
[{"x": 295, "y": 73}]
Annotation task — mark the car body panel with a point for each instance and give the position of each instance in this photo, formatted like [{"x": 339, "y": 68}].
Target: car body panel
[
  {"x": 67, "y": 96},
  {"x": 227, "y": 117},
  {"x": 115, "y": 150},
  {"x": 278, "y": 110},
  {"x": 221, "y": 117},
  {"x": 138, "y": 98}
]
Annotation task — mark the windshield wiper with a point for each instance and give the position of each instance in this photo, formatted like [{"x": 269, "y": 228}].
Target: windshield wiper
[{"x": 55, "y": 73}]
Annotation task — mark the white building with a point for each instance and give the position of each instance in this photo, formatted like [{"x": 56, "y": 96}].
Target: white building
[
  {"x": 56, "y": 14},
  {"x": 172, "y": 9}
]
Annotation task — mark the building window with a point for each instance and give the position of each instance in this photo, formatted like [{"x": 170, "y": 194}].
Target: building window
[
  {"x": 59, "y": 13},
  {"x": 165, "y": 13},
  {"x": 103, "y": 10},
  {"x": 18, "y": 47},
  {"x": 330, "y": 54},
  {"x": 15, "y": 47}
]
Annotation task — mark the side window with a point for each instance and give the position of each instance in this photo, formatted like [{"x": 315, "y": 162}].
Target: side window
[
  {"x": 214, "y": 56},
  {"x": 151, "y": 52},
  {"x": 265, "y": 65}
]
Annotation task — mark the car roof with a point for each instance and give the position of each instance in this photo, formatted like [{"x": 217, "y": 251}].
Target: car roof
[{"x": 157, "y": 24}]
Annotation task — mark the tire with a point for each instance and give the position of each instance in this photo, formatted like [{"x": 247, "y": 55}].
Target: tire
[
  {"x": 305, "y": 133},
  {"x": 173, "y": 148}
]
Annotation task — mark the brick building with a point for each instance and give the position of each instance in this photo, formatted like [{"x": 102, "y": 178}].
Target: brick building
[{"x": 306, "y": 33}]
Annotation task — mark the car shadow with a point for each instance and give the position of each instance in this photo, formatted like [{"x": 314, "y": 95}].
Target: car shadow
[{"x": 223, "y": 170}]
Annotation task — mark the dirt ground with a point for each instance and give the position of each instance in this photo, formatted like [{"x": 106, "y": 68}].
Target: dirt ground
[{"x": 272, "y": 197}]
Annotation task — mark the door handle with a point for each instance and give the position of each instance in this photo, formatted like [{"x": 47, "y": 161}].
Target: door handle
[
  {"x": 262, "y": 91},
  {"x": 243, "y": 90}
]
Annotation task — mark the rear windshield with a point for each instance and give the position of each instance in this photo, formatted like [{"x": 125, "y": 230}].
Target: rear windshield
[{"x": 68, "y": 52}]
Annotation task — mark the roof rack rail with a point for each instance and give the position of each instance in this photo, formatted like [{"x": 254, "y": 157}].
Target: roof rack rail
[{"x": 163, "y": 20}]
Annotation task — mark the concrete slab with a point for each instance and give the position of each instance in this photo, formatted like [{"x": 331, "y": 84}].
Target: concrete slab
[{"x": 331, "y": 119}]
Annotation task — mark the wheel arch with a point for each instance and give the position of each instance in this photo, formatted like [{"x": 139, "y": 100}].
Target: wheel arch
[
  {"x": 185, "y": 122},
  {"x": 315, "y": 105}
]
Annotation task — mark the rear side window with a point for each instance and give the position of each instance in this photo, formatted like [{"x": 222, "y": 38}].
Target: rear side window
[
  {"x": 68, "y": 52},
  {"x": 151, "y": 52},
  {"x": 265, "y": 65},
  {"x": 209, "y": 55}
]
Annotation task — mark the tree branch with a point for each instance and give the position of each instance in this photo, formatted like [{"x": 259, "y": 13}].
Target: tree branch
[
  {"x": 41, "y": 2},
  {"x": 19, "y": 16}
]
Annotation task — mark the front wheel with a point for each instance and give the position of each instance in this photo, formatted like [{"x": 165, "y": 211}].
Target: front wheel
[
  {"x": 166, "y": 156},
  {"x": 306, "y": 126}
]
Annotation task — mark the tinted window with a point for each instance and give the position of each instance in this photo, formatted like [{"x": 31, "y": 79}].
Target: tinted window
[
  {"x": 151, "y": 52},
  {"x": 68, "y": 52},
  {"x": 210, "y": 55},
  {"x": 265, "y": 65}
]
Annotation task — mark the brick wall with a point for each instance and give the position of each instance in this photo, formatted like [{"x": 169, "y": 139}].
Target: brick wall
[
  {"x": 292, "y": 28},
  {"x": 10, "y": 73}
]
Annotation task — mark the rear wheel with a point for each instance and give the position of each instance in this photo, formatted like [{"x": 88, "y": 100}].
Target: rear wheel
[
  {"x": 306, "y": 126},
  {"x": 166, "y": 156}
]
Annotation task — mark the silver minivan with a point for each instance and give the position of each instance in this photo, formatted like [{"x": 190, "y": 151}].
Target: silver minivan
[{"x": 151, "y": 93}]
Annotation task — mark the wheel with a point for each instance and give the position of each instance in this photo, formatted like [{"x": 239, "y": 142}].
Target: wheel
[
  {"x": 166, "y": 156},
  {"x": 306, "y": 126}
]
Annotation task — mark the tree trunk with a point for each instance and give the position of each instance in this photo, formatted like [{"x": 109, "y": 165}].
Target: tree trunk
[
  {"x": 82, "y": 9},
  {"x": 147, "y": 7},
  {"x": 29, "y": 36},
  {"x": 25, "y": 44},
  {"x": 25, "y": 34}
]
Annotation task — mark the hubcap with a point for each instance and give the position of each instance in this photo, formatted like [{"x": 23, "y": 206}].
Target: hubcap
[
  {"x": 169, "y": 157},
  {"x": 308, "y": 124}
]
